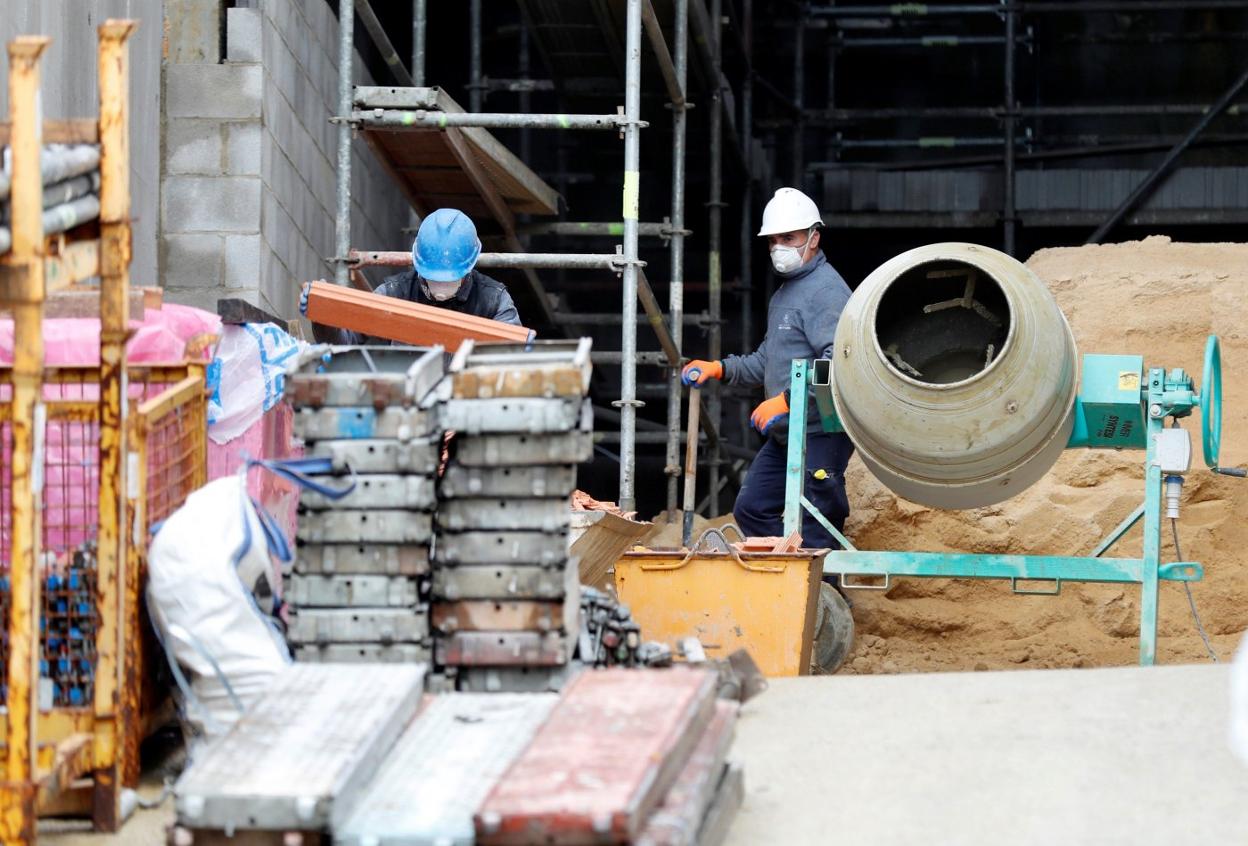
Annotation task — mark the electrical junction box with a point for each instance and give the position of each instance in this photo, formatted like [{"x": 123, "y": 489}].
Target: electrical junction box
[
  {"x": 1109, "y": 411},
  {"x": 1174, "y": 451}
]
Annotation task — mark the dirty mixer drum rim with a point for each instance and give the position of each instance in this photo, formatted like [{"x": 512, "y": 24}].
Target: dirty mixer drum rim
[{"x": 1211, "y": 402}]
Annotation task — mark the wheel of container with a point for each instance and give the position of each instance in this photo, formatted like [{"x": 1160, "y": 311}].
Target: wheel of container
[
  {"x": 834, "y": 631},
  {"x": 1211, "y": 402}
]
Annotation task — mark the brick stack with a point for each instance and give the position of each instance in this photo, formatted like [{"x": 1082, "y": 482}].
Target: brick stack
[
  {"x": 357, "y": 586},
  {"x": 505, "y": 597}
]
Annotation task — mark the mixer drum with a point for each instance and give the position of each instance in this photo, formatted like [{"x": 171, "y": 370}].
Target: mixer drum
[{"x": 955, "y": 374}]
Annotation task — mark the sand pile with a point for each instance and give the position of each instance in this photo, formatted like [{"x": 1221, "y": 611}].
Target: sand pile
[{"x": 1153, "y": 298}]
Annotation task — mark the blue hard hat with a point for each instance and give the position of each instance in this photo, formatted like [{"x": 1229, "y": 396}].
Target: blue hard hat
[{"x": 446, "y": 246}]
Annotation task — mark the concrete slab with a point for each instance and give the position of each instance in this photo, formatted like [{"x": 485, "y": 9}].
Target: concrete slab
[{"x": 1124, "y": 755}]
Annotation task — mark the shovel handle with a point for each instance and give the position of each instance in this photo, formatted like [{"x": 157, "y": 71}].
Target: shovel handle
[{"x": 691, "y": 465}]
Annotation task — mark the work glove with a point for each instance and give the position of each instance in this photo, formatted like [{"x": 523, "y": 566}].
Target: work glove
[
  {"x": 697, "y": 372},
  {"x": 303, "y": 298},
  {"x": 769, "y": 412}
]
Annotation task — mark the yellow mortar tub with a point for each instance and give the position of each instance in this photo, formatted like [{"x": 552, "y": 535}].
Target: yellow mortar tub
[{"x": 762, "y": 601}]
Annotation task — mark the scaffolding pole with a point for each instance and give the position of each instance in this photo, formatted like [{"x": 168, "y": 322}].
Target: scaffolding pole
[
  {"x": 475, "y": 94},
  {"x": 399, "y": 119},
  {"x": 419, "y": 24},
  {"x": 747, "y": 197},
  {"x": 716, "y": 204},
  {"x": 799, "y": 103},
  {"x": 342, "y": 219},
  {"x": 676, "y": 245},
  {"x": 628, "y": 402}
]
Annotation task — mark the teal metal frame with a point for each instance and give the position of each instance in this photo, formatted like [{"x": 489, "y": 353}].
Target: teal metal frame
[{"x": 1119, "y": 406}]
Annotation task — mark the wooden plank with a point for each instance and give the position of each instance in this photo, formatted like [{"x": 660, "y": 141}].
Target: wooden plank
[
  {"x": 524, "y": 191},
  {"x": 235, "y": 311},
  {"x": 400, "y": 320},
  {"x": 603, "y": 761},
  {"x": 71, "y": 131}
]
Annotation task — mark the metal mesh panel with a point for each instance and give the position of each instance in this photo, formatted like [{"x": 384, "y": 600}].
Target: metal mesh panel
[
  {"x": 176, "y": 462},
  {"x": 176, "y": 458}
]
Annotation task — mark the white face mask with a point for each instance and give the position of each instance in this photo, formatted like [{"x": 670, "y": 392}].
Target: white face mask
[
  {"x": 788, "y": 259},
  {"x": 442, "y": 291}
]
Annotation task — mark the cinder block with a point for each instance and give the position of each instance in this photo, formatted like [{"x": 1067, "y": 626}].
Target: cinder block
[
  {"x": 243, "y": 148},
  {"x": 242, "y": 260},
  {"x": 211, "y": 204},
  {"x": 191, "y": 260},
  {"x": 213, "y": 91},
  {"x": 242, "y": 35},
  {"x": 192, "y": 31},
  {"x": 192, "y": 146},
  {"x": 278, "y": 281}
]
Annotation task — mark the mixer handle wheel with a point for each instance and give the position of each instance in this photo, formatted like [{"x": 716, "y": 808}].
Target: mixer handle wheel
[{"x": 1211, "y": 403}]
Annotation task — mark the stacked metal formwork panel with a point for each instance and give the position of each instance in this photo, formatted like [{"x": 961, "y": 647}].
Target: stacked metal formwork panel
[
  {"x": 505, "y": 599},
  {"x": 357, "y": 585}
]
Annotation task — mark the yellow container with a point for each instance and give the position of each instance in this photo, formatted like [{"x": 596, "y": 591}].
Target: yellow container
[{"x": 764, "y": 602}]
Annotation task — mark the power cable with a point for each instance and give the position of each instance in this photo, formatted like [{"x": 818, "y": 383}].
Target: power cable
[{"x": 1200, "y": 628}]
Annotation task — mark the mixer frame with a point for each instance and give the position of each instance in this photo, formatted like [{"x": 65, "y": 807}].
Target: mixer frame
[{"x": 1120, "y": 405}]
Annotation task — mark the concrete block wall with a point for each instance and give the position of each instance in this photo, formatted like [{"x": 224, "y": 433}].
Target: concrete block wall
[{"x": 248, "y": 183}]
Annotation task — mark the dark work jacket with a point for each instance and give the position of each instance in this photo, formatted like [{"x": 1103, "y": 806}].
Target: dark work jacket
[{"x": 479, "y": 296}]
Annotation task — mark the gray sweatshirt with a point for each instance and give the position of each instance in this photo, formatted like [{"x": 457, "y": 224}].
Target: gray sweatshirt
[{"x": 801, "y": 323}]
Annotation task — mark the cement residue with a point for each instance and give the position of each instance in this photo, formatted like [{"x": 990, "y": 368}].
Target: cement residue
[{"x": 1153, "y": 298}]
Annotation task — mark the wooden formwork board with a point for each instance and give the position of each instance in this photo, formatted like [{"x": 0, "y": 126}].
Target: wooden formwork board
[{"x": 432, "y": 175}]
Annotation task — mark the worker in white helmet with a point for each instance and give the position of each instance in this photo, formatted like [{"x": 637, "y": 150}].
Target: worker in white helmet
[{"x": 801, "y": 323}]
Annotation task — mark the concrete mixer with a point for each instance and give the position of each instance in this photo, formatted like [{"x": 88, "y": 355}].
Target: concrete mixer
[{"x": 956, "y": 376}]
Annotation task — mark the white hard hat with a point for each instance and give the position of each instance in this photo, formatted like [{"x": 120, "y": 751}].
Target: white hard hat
[{"x": 789, "y": 211}]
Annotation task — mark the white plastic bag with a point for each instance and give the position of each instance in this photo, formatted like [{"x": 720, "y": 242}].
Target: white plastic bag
[
  {"x": 246, "y": 376},
  {"x": 207, "y": 564}
]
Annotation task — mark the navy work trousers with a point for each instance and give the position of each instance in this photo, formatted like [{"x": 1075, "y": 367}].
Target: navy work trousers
[{"x": 759, "y": 509}]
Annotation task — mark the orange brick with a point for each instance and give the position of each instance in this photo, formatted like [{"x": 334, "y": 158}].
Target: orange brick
[{"x": 403, "y": 321}]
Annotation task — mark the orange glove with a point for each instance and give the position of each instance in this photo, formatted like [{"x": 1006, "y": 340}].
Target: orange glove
[
  {"x": 769, "y": 412},
  {"x": 697, "y": 372}
]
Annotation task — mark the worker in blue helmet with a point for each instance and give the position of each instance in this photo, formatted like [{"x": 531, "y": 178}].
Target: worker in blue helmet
[{"x": 443, "y": 256}]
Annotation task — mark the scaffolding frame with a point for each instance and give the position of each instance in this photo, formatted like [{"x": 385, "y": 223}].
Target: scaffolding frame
[
  {"x": 1009, "y": 13},
  {"x": 402, "y": 112}
]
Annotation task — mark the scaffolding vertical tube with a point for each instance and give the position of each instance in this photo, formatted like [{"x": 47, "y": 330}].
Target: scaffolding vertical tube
[
  {"x": 715, "y": 270},
  {"x": 799, "y": 102},
  {"x": 1008, "y": 212},
  {"x": 342, "y": 218},
  {"x": 631, "y": 209},
  {"x": 117, "y": 639},
  {"x": 676, "y": 291},
  {"x": 25, "y": 289},
  {"x": 419, "y": 23},
  {"x": 747, "y": 194},
  {"x": 475, "y": 93}
]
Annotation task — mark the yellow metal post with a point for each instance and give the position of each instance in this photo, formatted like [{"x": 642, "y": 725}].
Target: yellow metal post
[
  {"x": 21, "y": 284},
  {"x": 117, "y": 640}
]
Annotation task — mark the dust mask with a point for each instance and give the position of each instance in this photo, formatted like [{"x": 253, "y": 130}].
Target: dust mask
[
  {"x": 443, "y": 291},
  {"x": 788, "y": 259}
]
